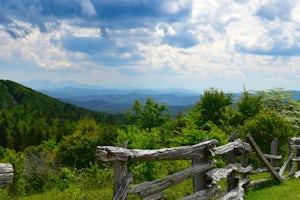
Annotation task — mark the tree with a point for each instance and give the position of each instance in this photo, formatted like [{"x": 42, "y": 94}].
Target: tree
[
  {"x": 249, "y": 105},
  {"x": 211, "y": 106},
  {"x": 265, "y": 127},
  {"x": 275, "y": 99},
  {"x": 283, "y": 104},
  {"x": 149, "y": 115},
  {"x": 78, "y": 150}
]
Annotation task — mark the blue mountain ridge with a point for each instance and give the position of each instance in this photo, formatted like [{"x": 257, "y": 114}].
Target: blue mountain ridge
[{"x": 119, "y": 100}]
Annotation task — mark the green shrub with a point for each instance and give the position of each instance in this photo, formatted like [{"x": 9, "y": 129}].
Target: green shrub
[
  {"x": 65, "y": 179},
  {"x": 19, "y": 184},
  {"x": 265, "y": 127}
]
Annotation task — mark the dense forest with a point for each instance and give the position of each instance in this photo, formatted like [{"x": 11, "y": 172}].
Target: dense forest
[{"x": 52, "y": 144}]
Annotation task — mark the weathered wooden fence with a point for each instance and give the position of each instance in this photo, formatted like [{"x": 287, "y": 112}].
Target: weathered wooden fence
[
  {"x": 205, "y": 175},
  {"x": 6, "y": 174},
  {"x": 293, "y": 160}
]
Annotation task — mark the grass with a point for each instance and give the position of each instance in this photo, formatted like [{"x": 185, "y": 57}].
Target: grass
[
  {"x": 289, "y": 190},
  {"x": 69, "y": 194}
]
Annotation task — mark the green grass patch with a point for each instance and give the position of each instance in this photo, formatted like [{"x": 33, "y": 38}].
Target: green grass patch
[
  {"x": 181, "y": 190},
  {"x": 69, "y": 194},
  {"x": 288, "y": 190}
]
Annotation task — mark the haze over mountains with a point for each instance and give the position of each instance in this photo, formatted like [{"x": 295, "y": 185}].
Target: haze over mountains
[
  {"x": 113, "y": 100},
  {"x": 117, "y": 100}
]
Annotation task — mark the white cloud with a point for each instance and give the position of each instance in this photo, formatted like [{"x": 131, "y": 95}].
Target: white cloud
[
  {"x": 176, "y": 6},
  {"x": 87, "y": 8},
  {"x": 78, "y": 31},
  {"x": 221, "y": 41},
  {"x": 37, "y": 47},
  {"x": 295, "y": 13}
]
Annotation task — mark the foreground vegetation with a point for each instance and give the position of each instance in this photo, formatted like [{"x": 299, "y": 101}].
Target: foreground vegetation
[
  {"x": 52, "y": 144},
  {"x": 289, "y": 190}
]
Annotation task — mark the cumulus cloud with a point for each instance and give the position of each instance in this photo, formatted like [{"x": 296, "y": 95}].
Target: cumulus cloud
[
  {"x": 87, "y": 8},
  {"x": 35, "y": 47},
  {"x": 271, "y": 10},
  {"x": 295, "y": 12},
  {"x": 177, "y": 38}
]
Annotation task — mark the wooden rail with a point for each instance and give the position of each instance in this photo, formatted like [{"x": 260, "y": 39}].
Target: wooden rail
[
  {"x": 6, "y": 174},
  {"x": 205, "y": 175},
  {"x": 294, "y": 157}
]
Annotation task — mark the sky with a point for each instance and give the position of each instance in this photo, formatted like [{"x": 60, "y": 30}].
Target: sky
[{"x": 191, "y": 44}]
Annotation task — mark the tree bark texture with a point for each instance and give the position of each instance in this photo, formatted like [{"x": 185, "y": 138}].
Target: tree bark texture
[
  {"x": 6, "y": 174},
  {"x": 111, "y": 153}
]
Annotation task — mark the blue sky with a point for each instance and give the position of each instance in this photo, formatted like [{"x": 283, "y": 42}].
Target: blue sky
[{"x": 163, "y": 44}]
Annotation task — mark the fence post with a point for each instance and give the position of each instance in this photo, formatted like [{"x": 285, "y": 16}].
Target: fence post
[
  {"x": 6, "y": 174},
  {"x": 200, "y": 179},
  {"x": 120, "y": 172},
  {"x": 232, "y": 181},
  {"x": 297, "y": 142},
  {"x": 263, "y": 158},
  {"x": 274, "y": 152},
  {"x": 290, "y": 163},
  {"x": 244, "y": 160}
]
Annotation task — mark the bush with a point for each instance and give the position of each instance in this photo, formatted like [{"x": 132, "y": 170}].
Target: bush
[
  {"x": 265, "y": 127},
  {"x": 65, "y": 179},
  {"x": 19, "y": 184}
]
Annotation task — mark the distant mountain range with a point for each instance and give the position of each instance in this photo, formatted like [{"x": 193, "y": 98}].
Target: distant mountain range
[
  {"x": 113, "y": 100},
  {"x": 117, "y": 100}
]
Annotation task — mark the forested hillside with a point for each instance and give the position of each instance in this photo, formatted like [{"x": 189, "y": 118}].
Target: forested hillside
[
  {"x": 29, "y": 117},
  {"x": 52, "y": 144}
]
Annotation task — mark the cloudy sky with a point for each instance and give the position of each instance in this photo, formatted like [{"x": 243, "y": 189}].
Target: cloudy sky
[{"x": 153, "y": 43}]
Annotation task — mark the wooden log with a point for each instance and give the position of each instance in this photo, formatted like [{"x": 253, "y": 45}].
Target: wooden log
[
  {"x": 111, "y": 153},
  {"x": 230, "y": 159},
  {"x": 151, "y": 187},
  {"x": 273, "y": 152},
  {"x": 6, "y": 174},
  {"x": 122, "y": 193},
  {"x": 263, "y": 169},
  {"x": 285, "y": 164},
  {"x": 290, "y": 174},
  {"x": 272, "y": 157},
  {"x": 297, "y": 174},
  {"x": 297, "y": 159},
  {"x": 244, "y": 182},
  {"x": 263, "y": 158},
  {"x": 156, "y": 196},
  {"x": 236, "y": 144},
  {"x": 204, "y": 194},
  {"x": 294, "y": 139},
  {"x": 292, "y": 170},
  {"x": 256, "y": 183},
  {"x": 296, "y": 146},
  {"x": 217, "y": 174},
  {"x": 244, "y": 160},
  {"x": 297, "y": 142},
  {"x": 290, "y": 164},
  {"x": 200, "y": 179},
  {"x": 268, "y": 156},
  {"x": 236, "y": 194},
  {"x": 120, "y": 172}
]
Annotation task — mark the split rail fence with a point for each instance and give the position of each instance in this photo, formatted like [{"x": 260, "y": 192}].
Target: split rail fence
[
  {"x": 6, "y": 174},
  {"x": 203, "y": 171}
]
